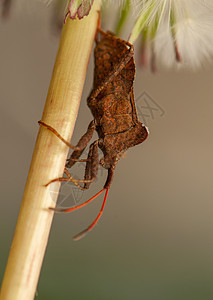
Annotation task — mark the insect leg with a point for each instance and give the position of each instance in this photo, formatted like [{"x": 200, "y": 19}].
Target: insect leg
[
  {"x": 91, "y": 170},
  {"x": 83, "y": 142},
  {"x": 92, "y": 165},
  {"x": 109, "y": 178},
  {"x": 75, "y": 155},
  {"x": 69, "y": 179},
  {"x": 50, "y": 128}
]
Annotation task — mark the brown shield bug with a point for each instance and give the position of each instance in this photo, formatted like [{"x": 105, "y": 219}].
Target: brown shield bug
[{"x": 111, "y": 102}]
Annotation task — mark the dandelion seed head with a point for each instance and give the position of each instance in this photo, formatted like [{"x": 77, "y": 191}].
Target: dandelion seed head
[
  {"x": 181, "y": 28},
  {"x": 173, "y": 28}
]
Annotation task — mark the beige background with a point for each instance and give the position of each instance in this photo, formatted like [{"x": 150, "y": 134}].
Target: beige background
[{"x": 154, "y": 240}]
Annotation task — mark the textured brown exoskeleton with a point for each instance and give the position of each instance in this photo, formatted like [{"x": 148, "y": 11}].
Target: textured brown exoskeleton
[{"x": 115, "y": 119}]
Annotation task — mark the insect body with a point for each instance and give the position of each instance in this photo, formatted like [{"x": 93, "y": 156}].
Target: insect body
[
  {"x": 115, "y": 119},
  {"x": 112, "y": 101}
]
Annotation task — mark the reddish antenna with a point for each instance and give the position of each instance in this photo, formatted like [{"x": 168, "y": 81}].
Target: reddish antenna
[{"x": 91, "y": 226}]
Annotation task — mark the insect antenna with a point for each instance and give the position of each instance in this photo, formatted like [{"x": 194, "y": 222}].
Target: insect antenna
[
  {"x": 85, "y": 231},
  {"x": 58, "y": 209}
]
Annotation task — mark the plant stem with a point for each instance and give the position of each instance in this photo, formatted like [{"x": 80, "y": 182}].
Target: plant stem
[{"x": 34, "y": 221}]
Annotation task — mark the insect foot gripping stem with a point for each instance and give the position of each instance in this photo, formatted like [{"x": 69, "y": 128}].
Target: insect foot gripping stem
[{"x": 90, "y": 227}]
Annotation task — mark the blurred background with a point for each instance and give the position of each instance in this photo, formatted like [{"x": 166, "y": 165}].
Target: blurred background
[{"x": 154, "y": 240}]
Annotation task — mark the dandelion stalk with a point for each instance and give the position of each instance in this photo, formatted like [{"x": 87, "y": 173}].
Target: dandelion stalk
[{"x": 35, "y": 218}]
